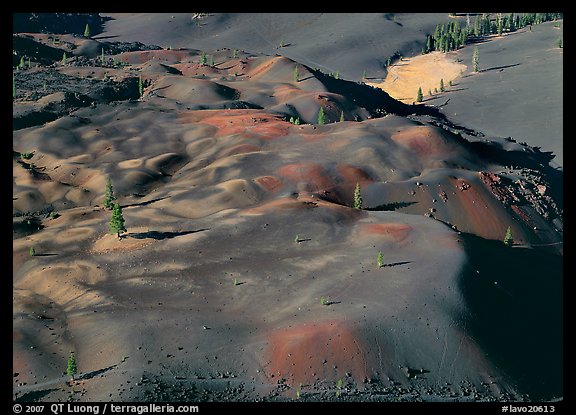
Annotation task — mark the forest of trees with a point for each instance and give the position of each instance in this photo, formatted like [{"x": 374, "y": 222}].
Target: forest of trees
[{"x": 450, "y": 36}]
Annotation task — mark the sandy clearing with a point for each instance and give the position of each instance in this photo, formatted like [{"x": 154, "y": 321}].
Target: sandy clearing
[
  {"x": 109, "y": 243},
  {"x": 423, "y": 71}
]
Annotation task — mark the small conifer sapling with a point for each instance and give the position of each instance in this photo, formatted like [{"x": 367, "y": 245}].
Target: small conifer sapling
[
  {"x": 71, "y": 370},
  {"x": 357, "y": 197},
  {"x": 117, "y": 221},
  {"x": 508, "y": 240}
]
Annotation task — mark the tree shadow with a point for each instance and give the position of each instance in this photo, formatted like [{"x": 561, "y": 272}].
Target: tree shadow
[
  {"x": 146, "y": 203},
  {"x": 46, "y": 254},
  {"x": 304, "y": 240},
  {"x": 104, "y": 37},
  {"x": 391, "y": 206},
  {"x": 332, "y": 302},
  {"x": 163, "y": 235},
  {"x": 501, "y": 67},
  {"x": 394, "y": 264},
  {"x": 304, "y": 79},
  {"x": 34, "y": 396},
  {"x": 90, "y": 375}
]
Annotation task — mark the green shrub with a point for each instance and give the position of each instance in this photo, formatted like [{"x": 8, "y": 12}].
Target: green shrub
[{"x": 380, "y": 260}]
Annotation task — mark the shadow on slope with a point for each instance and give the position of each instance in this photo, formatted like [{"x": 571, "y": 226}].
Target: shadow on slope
[
  {"x": 163, "y": 235},
  {"x": 515, "y": 297},
  {"x": 375, "y": 100},
  {"x": 74, "y": 23}
]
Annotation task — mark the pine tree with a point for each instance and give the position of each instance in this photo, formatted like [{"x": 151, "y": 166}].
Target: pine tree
[
  {"x": 419, "y": 96},
  {"x": 508, "y": 240},
  {"x": 341, "y": 116},
  {"x": 211, "y": 60},
  {"x": 357, "y": 197},
  {"x": 477, "y": 27},
  {"x": 32, "y": 251},
  {"x": 71, "y": 369},
  {"x": 380, "y": 260},
  {"x": 87, "y": 31},
  {"x": 296, "y": 75},
  {"x": 109, "y": 197},
  {"x": 475, "y": 59},
  {"x": 64, "y": 58},
  {"x": 140, "y": 87},
  {"x": 22, "y": 64},
  {"x": 203, "y": 58},
  {"x": 511, "y": 24},
  {"x": 442, "y": 89},
  {"x": 117, "y": 221},
  {"x": 463, "y": 37},
  {"x": 559, "y": 43},
  {"x": 321, "y": 116},
  {"x": 429, "y": 43},
  {"x": 102, "y": 56}
]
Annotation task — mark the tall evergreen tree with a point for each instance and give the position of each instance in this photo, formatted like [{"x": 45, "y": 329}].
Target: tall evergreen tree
[
  {"x": 117, "y": 221},
  {"x": 511, "y": 25},
  {"x": 476, "y": 59},
  {"x": 71, "y": 369},
  {"x": 140, "y": 87},
  {"x": 477, "y": 26},
  {"x": 296, "y": 76},
  {"x": 341, "y": 116},
  {"x": 203, "y": 58},
  {"x": 87, "y": 31},
  {"x": 419, "y": 96},
  {"x": 463, "y": 37},
  {"x": 442, "y": 89},
  {"x": 486, "y": 22},
  {"x": 109, "y": 197},
  {"x": 430, "y": 43}
]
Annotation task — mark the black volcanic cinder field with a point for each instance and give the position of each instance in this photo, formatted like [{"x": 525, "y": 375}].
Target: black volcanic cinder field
[{"x": 246, "y": 273}]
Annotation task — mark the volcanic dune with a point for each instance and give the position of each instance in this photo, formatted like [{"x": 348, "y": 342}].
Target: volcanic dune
[{"x": 246, "y": 272}]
